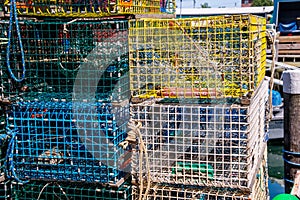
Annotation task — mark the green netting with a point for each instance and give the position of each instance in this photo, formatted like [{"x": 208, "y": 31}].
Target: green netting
[{"x": 79, "y": 59}]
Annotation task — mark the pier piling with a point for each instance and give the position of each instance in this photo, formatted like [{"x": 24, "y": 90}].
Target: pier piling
[{"x": 291, "y": 152}]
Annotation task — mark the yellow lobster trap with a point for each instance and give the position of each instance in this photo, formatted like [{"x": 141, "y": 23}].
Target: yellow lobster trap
[
  {"x": 90, "y": 8},
  {"x": 211, "y": 57}
]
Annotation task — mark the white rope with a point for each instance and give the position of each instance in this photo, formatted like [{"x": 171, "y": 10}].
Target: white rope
[
  {"x": 274, "y": 53},
  {"x": 132, "y": 137}
]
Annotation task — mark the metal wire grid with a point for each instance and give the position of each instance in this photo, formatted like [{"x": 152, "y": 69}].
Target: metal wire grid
[
  {"x": 205, "y": 145},
  {"x": 5, "y": 190},
  {"x": 90, "y": 8},
  {"x": 259, "y": 191},
  {"x": 73, "y": 59},
  {"x": 50, "y": 190},
  {"x": 179, "y": 193},
  {"x": 3, "y": 147},
  {"x": 4, "y": 138},
  {"x": 68, "y": 141},
  {"x": 210, "y": 57}
]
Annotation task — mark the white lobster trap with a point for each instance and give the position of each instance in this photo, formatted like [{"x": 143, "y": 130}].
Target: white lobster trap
[
  {"x": 203, "y": 145},
  {"x": 259, "y": 190}
]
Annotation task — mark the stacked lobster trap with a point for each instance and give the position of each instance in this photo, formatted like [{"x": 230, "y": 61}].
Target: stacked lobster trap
[
  {"x": 212, "y": 57},
  {"x": 66, "y": 83},
  {"x": 200, "y": 97},
  {"x": 68, "y": 102},
  {"x": 90, "y": 8},
  {"x": 47, "y": 190},
  {"x": 5, "y": 190},
  {"x": 160, "y": 191}
]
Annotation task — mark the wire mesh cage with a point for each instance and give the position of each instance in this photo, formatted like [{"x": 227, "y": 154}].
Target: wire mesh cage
[
  {"x": 4, "y": 139},
  {"x": 76, "y": 59},
  {"x": 210, "y": 57},
  {"x": 5, "y": 190},
  {"x": 3, "y": 147},
  {"x": 167, "y": 192},
  {"x": 49, "y": 190},
  {"x": 180, "y": 192},
  {"x": 204, "y": 145},
  {"x": 90, "y": 8},
  {"x": 68, "y": 141}
]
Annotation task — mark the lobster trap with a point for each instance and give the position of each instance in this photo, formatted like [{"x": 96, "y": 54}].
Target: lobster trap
[
  {"x": 68, "y": 141},
  {"x": 47, "y": 190},
  {"x": 159, "y": 191},
  {"x": 90, "y": 8},
  {"x": 4, "y": 140},
  {"x": 76, "y": 59},
  {"x": 204, "y": 145},
  {"x": 5, "y": 190},
  {"x": 210, "y": 57}
]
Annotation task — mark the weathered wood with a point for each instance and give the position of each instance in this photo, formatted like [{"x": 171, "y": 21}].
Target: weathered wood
[
  {"x": 289, "y": 51},
  {"x": 283, "y": 39},
  {"x": 291, "y": 95},
  {"x": 296, "y": 187},
  {"x": 289, "y": 46},
  {"x": 156, "y": 16},
  {"x": 288, "y": 56}
]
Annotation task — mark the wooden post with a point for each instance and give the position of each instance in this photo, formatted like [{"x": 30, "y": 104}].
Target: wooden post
[
  {"x": 291, "y": 154},
  {"x": 296, "y": 187}
]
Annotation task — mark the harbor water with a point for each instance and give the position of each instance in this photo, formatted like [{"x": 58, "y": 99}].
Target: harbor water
[{"x": 275, "y": 167}]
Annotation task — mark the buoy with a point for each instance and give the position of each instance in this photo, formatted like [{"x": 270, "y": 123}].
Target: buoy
[{"x": 285, "y": 197}]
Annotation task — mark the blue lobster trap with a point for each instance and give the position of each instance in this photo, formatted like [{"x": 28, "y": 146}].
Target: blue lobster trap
[
  {"x": 68, "y": 141},
  {"x": 47, "y": 190},
  {"x": 82, "y": 59}
]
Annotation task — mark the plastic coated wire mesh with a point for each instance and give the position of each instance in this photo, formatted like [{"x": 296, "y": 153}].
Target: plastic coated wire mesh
[
  {"x": 72, "y": 59},
  {"x": 50, "y": 190},
  {"x": 181, "y": 193},
  {"x": 5, "y": 190},
  {"x": 205, "y": 145},
  {"x": 3, "y": 148},
  {"x": 210, "y": 57},
  {"x": 68, "y": 141},
  {"x": 259, "y": 191},
  {"x": 91, "y": 8},
  {"x": 4, "y": 138}
]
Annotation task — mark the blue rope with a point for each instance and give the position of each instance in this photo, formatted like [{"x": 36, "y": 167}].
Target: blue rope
[
  {"x": 288, "y": 180},
  {"x": 290, "y": 162},
  {"x": 9, "y": 162},
  {"x": 13, "y": 15},
  {"x": 291, "y": 152}
]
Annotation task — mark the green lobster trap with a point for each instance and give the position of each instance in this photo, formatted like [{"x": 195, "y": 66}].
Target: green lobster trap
[
  {"x": 47, "y": 190},
  {"x": 5, "y": 190},
  {"x": 210, "y": 57},
  {"x": 76, "y": 59},
  {"x": 89, "y": 8}
]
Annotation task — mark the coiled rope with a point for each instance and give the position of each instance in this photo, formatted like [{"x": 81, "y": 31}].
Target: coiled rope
[{"x": 10, "y": 169}]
